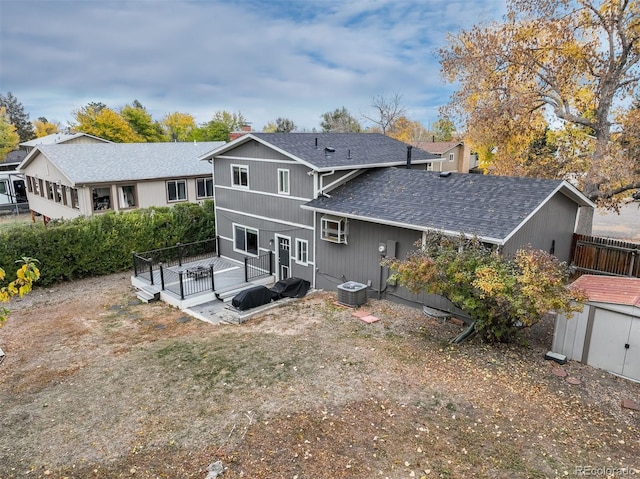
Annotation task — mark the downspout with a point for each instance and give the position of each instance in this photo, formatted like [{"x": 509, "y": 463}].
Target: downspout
[{"x": 315, "y": 249}]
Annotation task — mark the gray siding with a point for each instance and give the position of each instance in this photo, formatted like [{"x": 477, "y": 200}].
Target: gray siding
[
  {"x": 261, "y": 207},
  {"x": 254, "y": 149},
  {"x": 359, "y": 260},
  {"x": 267, "y": 229},
  {"x": 263, "y": 176},
  {"x": 278, "y": 208},
  {"x": 554, "y": 221}
]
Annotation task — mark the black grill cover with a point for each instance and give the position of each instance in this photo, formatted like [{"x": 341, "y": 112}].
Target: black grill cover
[
  {"x": 290, "y": 288},
  {"x": 251, "y": 298}
]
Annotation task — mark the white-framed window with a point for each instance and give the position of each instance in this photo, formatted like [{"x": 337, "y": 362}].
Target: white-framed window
[
  {"x": 451, "y": 157},
  {"x": 302, "y": 252},
  {"x": 4, "y": 188},
  {"x": 240, "y": 176},
  {"x": 75, "y": 201},
  {"x": 127, "y": 196},
  {"x": 204, "y": 188},
  {"x": 283, "y": 182},
  {"x": 176, "y": 190},
  {"x": 245, "y": 239},
  {"x": 101, "y": 198},
  {"x": 334, "y": 229}
]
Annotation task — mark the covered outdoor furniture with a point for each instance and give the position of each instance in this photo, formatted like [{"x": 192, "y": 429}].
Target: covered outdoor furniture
[
  {"x": 290, "y": 288},
  {"x": 251, "y": 298}
]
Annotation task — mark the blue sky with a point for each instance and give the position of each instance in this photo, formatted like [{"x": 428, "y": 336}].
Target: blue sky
[{"x": 264, "y": 59}]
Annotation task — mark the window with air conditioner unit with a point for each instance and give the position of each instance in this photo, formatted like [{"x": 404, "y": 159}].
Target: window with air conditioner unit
[{"x": 334, "y": 229}]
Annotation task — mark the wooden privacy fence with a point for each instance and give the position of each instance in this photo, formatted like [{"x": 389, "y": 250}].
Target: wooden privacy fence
[{"x": 595, "y": 255}]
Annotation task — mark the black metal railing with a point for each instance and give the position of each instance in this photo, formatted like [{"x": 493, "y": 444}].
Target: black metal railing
[
  {"x": 143, "y": 267},
  {"x": 258, "y": 266},
  {"x": 175, "y": 255},
  {"x": 187, "y": 282}
]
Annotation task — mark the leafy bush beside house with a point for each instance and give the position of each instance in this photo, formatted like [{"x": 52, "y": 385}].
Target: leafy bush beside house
[
  {"x": 502, "y": 294},
  {"x": 103, "y": 244}
]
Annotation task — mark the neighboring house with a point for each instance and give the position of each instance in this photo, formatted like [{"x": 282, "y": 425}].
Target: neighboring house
[
  {"x": 71, "y": 180},
  {"x": 455, "y": 154},
  {"x": 69, "y": 137},
  {"x": 13, "y": 192},
  {"x": 325, "y": 203}
]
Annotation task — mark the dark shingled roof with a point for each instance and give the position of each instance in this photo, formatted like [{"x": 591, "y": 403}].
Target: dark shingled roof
[
  {"x": 491, "y": 207},
  {"x": 351, "y": 149}
]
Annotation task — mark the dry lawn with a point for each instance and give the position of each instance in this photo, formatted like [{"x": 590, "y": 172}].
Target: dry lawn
[{"x": 96, "y": 385}]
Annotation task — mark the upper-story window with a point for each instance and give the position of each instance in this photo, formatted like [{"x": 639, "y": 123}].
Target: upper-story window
[
  {"x": 283, "y": 182},
  {"x": 177, "y": 190},
  {"x": 204, "y": 188},
  {"x": 451, "y": 156},
  {"x": 240, "y": 176}
]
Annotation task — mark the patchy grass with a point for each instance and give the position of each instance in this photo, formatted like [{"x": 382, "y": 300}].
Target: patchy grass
[{"x": 97, "y": 385}]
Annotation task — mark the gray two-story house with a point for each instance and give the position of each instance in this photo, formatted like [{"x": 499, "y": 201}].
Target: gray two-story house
[
  {"x": 262, "y": 180},
  {"x": 329, "y": 206}
]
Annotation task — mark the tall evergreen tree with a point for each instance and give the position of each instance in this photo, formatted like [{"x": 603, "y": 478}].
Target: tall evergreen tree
[{"x": 18, "y": 117}]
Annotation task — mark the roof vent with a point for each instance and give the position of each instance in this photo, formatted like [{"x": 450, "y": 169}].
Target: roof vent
[
  {"x": 445, "y": 174},
  {"x": 329, "y": 149}
]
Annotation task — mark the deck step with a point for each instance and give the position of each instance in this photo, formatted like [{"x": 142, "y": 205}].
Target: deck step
[
  {"x": 148, "y": 294},
  {"x": 228, "y": 295}
]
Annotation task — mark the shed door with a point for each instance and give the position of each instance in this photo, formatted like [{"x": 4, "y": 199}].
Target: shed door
[
  {"x": 615, "y": 343},
  {"x": 632, "y": 360}
]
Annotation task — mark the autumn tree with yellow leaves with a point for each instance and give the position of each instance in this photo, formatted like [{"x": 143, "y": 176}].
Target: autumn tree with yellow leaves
[
  {"x": 562, "y": 69},
  {"x": 27, "y": 274}
]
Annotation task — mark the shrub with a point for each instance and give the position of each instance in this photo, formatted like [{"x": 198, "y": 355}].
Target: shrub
[
  {"x": 103, "y": 244},
  {"x": 502, "y": 294}
]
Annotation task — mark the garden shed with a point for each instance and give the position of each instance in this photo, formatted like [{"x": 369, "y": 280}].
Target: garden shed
[{"x": 606, "y": 333}]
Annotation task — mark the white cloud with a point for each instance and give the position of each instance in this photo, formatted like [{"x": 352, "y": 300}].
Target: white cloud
[{"x": 264, "y": 59}]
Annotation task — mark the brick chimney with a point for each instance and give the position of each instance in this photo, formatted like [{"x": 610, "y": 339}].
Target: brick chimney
[{"x": 246, "y": 128}]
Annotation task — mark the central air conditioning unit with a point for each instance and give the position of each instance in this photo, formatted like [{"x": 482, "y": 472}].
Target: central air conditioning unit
[{"x": 352, "y": 294}]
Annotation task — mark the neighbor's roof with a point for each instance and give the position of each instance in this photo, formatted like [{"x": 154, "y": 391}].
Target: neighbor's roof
[
  {"x": 102, "y": 162},
  {"x": 60, "y": 138},
  {"x": 350, "y": 150},
  {"x": 610, "y": 289},
  {"x": 490, "y": 207},
  {"x": 437, "y": 147}
]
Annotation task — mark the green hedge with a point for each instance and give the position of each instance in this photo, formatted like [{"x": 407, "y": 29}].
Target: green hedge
[{"x": 103, "y": 244}]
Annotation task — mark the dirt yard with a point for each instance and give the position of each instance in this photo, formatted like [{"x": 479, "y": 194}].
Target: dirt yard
[{"x": 97, "y": 385}]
